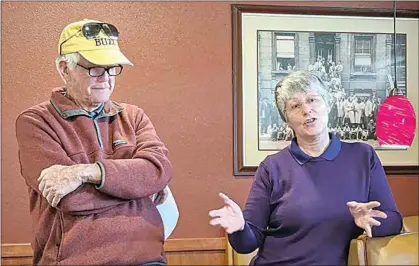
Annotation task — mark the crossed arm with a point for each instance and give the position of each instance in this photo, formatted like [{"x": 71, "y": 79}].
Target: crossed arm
[{"x": 73, "y": 188}]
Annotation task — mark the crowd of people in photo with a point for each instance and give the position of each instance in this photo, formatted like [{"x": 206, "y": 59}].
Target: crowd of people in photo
[{"x": 352, "y": 116}]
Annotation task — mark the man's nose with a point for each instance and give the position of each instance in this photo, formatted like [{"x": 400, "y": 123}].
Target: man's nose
[{"x": 104, "y": 77}]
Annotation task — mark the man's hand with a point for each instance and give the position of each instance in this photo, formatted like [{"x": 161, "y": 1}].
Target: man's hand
[
  {"x": 57, "y": 181},
  {"x": 363, "y": 214},
  {"x": 160, "y": 197}
]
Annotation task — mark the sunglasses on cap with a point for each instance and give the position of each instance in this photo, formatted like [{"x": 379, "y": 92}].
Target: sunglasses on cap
[{"x": 92, "y": 29}]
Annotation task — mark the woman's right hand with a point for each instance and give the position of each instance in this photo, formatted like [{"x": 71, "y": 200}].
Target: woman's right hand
[{"x": 230, "y": 217}]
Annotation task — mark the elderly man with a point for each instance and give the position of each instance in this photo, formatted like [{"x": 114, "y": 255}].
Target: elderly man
[{"x": 92, "y": 165}]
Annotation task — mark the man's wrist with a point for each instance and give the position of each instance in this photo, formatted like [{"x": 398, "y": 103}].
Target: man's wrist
[{"x": 91, "y": 173}]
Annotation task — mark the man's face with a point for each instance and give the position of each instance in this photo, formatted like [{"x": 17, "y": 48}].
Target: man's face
[{"x": 89, "y": 91}]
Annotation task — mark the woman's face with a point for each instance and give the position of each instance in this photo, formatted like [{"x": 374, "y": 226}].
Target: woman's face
[{"x": 307, "y": 114}]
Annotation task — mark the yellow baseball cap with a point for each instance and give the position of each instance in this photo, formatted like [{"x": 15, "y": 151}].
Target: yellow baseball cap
[{"x": 100, "y": 50}]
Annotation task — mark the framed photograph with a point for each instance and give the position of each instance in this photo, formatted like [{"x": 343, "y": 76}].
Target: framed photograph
[{"x": 350, "y": 49}]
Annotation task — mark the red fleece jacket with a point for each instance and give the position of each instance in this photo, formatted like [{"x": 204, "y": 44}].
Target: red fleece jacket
[{"x": 114, "y": 224}]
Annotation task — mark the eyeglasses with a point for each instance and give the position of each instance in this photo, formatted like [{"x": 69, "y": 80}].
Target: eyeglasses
[
  {"x": 92, "y": 29},
  {"x": 311, "y": 101},
  {"x": 99, "y": 71}
]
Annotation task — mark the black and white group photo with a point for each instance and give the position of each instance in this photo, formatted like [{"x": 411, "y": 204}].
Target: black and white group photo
[{"x": 357, "y": 68}]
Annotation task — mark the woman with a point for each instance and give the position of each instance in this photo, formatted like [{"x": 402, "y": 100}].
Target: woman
[{"x": 310, "y": 199}]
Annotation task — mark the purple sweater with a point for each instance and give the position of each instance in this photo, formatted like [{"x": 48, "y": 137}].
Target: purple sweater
[
  {"x": 115, "y": 223},
  {"x": 296, "y": 212}
]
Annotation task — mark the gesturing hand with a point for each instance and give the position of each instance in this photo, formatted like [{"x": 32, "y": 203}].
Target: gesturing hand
[
  {"x": 230, "y": 217},
  {"x": 57, "y": 181},
  {"x": 363, "y": 214}
]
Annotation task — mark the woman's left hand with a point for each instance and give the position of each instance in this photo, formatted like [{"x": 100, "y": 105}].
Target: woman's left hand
[{"x": 363, "y": 214}]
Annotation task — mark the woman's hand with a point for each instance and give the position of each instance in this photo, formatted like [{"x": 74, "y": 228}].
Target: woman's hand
[
  {"x": 230, "y": 217},
  {"x": 363, "y": 214}
]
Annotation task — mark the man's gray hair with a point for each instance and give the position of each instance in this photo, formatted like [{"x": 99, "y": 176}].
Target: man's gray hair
[
  {"x": 71, "y": 59},
  {"x": 299, "y": 81}
]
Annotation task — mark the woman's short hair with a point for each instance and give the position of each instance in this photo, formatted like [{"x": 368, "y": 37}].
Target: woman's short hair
[{"x": 299, "y": 81}]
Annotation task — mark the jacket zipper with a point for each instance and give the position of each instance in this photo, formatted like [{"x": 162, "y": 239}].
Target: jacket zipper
[{"x": 98, "y": 135}]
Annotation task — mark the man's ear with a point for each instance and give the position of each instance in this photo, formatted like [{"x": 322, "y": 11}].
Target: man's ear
[
  {"x": 64, "y": 71},
  {"x": 63, "y": 68}
]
